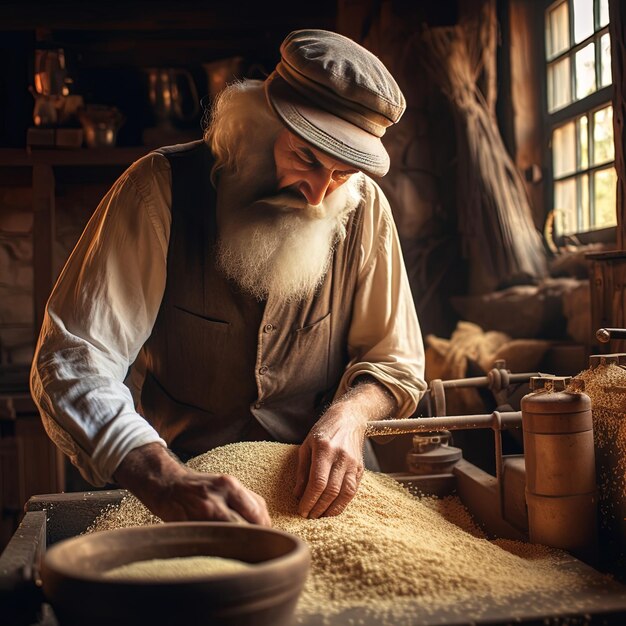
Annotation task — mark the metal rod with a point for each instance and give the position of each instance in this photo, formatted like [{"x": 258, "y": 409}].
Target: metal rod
[
  {"x": 505, "y": 421},
  {"x": 497, "y": 435},
  {"x": 479, "y": 381},
  {"x": 604, "y": 335}
]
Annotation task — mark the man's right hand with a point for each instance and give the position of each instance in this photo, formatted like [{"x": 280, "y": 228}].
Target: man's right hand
[{"x": 175, "y": 493}]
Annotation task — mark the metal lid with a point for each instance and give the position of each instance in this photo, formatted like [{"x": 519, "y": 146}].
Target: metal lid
[{"x": 556, "y": 412}]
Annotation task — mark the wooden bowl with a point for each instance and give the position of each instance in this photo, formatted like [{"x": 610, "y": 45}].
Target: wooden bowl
[{"x": 266, "y": 594}]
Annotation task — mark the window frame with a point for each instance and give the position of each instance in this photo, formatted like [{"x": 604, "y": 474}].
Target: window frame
[{"x": 587, "y": 105}]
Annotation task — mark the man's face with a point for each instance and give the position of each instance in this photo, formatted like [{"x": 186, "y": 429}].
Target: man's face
[
  {"x": 278, "y": 221},
  {"x": 307, "y": 170}
]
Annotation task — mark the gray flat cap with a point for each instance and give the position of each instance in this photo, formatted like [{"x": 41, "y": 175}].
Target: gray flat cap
[{"x": 336, "y": 95}]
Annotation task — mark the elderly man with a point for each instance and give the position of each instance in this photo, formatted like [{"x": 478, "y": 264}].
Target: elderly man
[{"x": 245, "y": 287}]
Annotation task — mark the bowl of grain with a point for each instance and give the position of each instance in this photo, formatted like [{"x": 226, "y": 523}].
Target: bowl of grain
[{"x": 177, "y": 573}]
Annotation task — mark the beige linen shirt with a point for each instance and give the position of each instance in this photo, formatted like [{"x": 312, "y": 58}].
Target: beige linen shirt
[{"x": 104, "y": 304}]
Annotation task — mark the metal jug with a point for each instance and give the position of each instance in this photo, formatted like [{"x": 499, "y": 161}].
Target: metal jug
[{"x": 172, "y": 94}]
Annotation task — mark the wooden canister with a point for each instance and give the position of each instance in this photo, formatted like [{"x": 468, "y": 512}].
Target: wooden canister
[{"x": 561, "y": 492}]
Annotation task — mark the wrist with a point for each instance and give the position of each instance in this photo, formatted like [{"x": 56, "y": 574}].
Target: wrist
[
  {"x": 369, "y": 398},
  {"x": 146, "y": 467}
]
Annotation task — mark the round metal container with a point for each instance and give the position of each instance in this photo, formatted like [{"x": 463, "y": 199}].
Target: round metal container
[
  {"x": 558, "y": 443},
  {"x": 560, "y": 471},
  {"x": 265, "y": 594}
]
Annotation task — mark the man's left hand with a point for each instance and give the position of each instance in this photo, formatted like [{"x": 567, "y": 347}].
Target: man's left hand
[{"x": 330, "y": 461}]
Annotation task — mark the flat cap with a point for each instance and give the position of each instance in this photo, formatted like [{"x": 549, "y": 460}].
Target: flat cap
[{"x": 336, "y": 95}]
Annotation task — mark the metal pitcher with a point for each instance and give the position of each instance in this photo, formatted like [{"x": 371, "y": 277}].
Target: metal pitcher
[{"x": 172, "y": 94}]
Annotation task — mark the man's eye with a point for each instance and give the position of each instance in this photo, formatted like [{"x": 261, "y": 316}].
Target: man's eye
[{"x": 305, "y": 159}]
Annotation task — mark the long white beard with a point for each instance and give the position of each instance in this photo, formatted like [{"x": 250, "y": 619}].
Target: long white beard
[
  {"x": 269, "y": 243},
  {"x": 270, "y": 248}
]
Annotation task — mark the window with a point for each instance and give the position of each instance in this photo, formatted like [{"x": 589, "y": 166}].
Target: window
[{"x": 580, "y": 115}]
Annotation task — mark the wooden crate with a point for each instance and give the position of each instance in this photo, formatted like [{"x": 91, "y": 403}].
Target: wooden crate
[{"x": 608, "y": 297}]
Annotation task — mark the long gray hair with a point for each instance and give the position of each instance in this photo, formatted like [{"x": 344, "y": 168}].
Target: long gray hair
[{"x": 241, "y": 126}]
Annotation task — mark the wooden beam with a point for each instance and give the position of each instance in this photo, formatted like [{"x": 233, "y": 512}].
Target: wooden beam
[
  {"x": 43, "y": 238},
  {"x": 155, "y": 15},
  {"x": 15, "y": 157}
]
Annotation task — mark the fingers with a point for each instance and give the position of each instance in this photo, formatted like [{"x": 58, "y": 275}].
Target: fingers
[
  {"x": 332, "y": 483},
  {"x": 348, "y": 491},
  {"x": 188, "y": 507},
  {"x": 267, "y": 520},
  {"x": 244, "y": 503},
  {"x": 331, "y": 492},
  {"x": 340, "y": 490},
  {"x": 215, "y": 497},
  {"x": 317, "y": 480},
  {"x": 219, "y": 511}
]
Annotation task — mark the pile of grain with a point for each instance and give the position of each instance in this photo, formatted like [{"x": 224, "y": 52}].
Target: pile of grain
[
  {"x": 180, "y": 568},
  {"x": 389, "y": 551},
  {"x": 606, "y": 386}
]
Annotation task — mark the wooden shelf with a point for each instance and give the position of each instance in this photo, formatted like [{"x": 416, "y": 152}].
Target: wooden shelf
[
  {"x": 606, "y": 256},
  {"x": 15, "y": 157}
]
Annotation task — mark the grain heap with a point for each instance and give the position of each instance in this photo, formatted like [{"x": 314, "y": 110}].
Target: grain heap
[
  {"x": 606, "y": 386},
  {"x": 390, "y": 553},
  {"x": 183, "y": 567}
]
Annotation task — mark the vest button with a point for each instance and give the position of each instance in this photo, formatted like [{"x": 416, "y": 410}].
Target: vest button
[
  {"x": 258, "y": 405},
  {"x": 263, "y": 370},
  {"x": 268, "y": 328}
]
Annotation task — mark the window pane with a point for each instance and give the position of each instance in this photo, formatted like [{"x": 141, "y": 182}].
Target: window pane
[
  {"x": 564, "y": 150},
  {"x": 557, "y": 30},
  {"x": 565, "y": 207},
  {"x": 604, "y": 13},
  {"x": 605, "y": 60},
  {"x": 603, "y": 146},
  {"x": 559, "y": 85},
  {"x": 585, "y": 71},
  {"x": 583, "y": 196},
  {"x": 605, "y": 182},
  {"x": 583, "y": 142},
  {"x": 583, "y": 19}
]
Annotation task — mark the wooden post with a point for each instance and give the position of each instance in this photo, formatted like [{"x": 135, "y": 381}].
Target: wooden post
[
  {"x": 608, "y": 270},
  {"x": 43, "y": 239},
  {"x": 608, "y": 297},
  {"x": 41, "y": 465},
  {"x": 617, "y": 31}
]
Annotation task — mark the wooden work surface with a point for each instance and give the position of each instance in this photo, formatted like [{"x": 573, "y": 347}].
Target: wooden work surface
[{"x": 603, "y": 601}]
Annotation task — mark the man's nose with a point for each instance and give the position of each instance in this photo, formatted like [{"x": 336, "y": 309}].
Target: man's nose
[{"x": 315, "y": 185}]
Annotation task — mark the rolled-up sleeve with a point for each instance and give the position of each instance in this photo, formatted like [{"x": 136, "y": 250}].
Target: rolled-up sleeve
[
  {"x": 385, "y": 340},
  {"x": 100, "y": 313}
]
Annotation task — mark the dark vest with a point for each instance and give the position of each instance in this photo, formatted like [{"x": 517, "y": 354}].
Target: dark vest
[{"x": 222, "y": 367}]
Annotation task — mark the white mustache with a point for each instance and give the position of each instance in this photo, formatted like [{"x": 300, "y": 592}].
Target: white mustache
[{"x": 287, "y": 198}]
